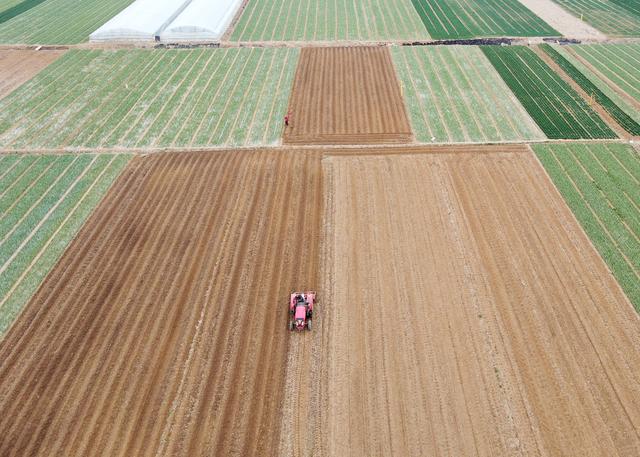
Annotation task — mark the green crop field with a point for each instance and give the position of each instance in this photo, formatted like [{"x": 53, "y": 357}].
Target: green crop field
[
  {"x": 620, "y": 116},
  {"x": 323, "y": 20},
  {"x": 152, "y": 98},
  {"x": 627, "y": 103},
  {"x": 54, "y": 21},
  {"x": 615, "y": 18},
  {"x": 458, "y": 19},
  {"x": 559, "y": 111},
  {"x": 44, "y": 200},
  {"x": 454, "y": 94},
  {"x": 600, "y": 183},
  {"x": 617, "y": 63}
]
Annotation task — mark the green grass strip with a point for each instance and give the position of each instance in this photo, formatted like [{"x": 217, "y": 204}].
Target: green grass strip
[
  {"x": 623, "y": 119},
  {"x": 600, "y": 183},
  {"x": 23, "y": 276}
]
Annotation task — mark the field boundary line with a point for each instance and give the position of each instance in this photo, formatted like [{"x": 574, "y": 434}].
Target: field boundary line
[
  {"x": 425, "y": 118},
  {"x": 548, "y": 86},
  {"x": 55, "y": 233},
  {"x": 591, "y": 102},
  {"x": 289, "y": 99}
]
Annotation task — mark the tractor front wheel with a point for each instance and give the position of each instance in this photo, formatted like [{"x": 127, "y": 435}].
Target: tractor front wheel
[
  {"x": 290, "y": 325},
  {"x": 309, "y": 324}
]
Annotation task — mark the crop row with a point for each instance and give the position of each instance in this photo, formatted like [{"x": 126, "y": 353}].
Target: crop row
[
  {"x": 455, "y": 19},
  {"x": 619, "y": 63},
  {"x": 608, "y": 16},
  {"x": 600, "y": 182},
  {"x": 322, "y": 20},
  {"x": 609, "y": 105},
  {"x": 54, "y": 21},
  {"x": 44, "y": 200},
  {"x": 152, "y": 98},
  {"x": 453, "y": 94},
  {"x": 559, "y": 111}
]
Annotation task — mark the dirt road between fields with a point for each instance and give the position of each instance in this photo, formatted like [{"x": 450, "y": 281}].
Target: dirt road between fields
[
  {"x": 17, "y": 66},
  {"x": 163, "y": 329},
  {"x": 330, "y": 90},
  {"x": 465, "y": 313}
]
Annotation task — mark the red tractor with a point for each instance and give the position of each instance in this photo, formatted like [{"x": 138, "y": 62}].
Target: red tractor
[{"x": 301, "y": 310}]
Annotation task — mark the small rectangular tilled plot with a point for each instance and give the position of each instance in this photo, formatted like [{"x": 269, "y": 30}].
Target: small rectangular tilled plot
[
  {"x": 557, "y": 108},
  {"x": 346, "y": 96}
]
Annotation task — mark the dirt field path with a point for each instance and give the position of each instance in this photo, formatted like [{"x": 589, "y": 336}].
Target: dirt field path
[
  {"x": 468, "y": 315},
  {"x": 162, "y": 330},
  {"x": 17, "y": 66},
  {"x": 330, "y": 88}
]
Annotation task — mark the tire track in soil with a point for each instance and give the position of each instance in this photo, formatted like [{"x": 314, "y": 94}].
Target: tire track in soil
[
  {"x": 136, "y": 329},
  {"x": 515, "y": 340}
]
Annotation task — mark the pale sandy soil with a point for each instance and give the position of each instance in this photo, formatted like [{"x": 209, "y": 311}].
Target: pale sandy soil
[
  {"x": 465, "y": 312},
  {"x": 563, "y": 21},
  {"x": 18, "y": 66}
]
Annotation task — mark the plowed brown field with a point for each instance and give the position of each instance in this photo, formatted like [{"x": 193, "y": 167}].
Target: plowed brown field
[
  {"x": 162, "y": 331},
  {"x": 346, "y": 96},
  {"x": 465, "y": 313},
  {"x": 18, "y": 66}
]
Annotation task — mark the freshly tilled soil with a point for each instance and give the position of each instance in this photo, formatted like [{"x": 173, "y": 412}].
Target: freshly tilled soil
[
  {"x": 346, "y": 96},
  {"x": 465, "y": 313},
  {"x": 163, "y": 329}
]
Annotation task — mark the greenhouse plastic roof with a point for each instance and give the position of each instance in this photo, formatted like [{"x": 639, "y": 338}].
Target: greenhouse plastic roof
[
  {"x": 143, "y": 20},
  {"x": 201, "y": 20}
]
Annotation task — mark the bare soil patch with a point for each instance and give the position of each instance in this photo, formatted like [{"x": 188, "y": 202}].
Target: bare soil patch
[
  {"x": 18, "y": 66},
  {"x": 563, "y": 21},
  {"x": 465, "y": 313},
  {"x": 346, "y": 96},
  {"x": 163, "y": 329}
]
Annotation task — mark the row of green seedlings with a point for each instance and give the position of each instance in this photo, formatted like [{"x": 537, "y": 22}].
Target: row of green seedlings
[
  {"x": 559, "y": 111},
  {"x": 623, "y": 119}
]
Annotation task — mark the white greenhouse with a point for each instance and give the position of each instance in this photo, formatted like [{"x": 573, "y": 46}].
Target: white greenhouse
[
  {"x": 201, "y": 21},
  {"x": 170, "y": 21}
]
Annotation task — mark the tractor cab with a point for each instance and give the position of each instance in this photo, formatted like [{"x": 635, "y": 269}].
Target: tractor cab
[{"x": 301, "y": 310}]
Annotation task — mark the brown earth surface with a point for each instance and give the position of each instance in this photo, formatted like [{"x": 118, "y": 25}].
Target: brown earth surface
[
  {"x": 330, "y": 89},
  {"x": 465, "y": 313},
  {"x": 162, "y": 330},
  {"x": 18, "y": 66}
]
